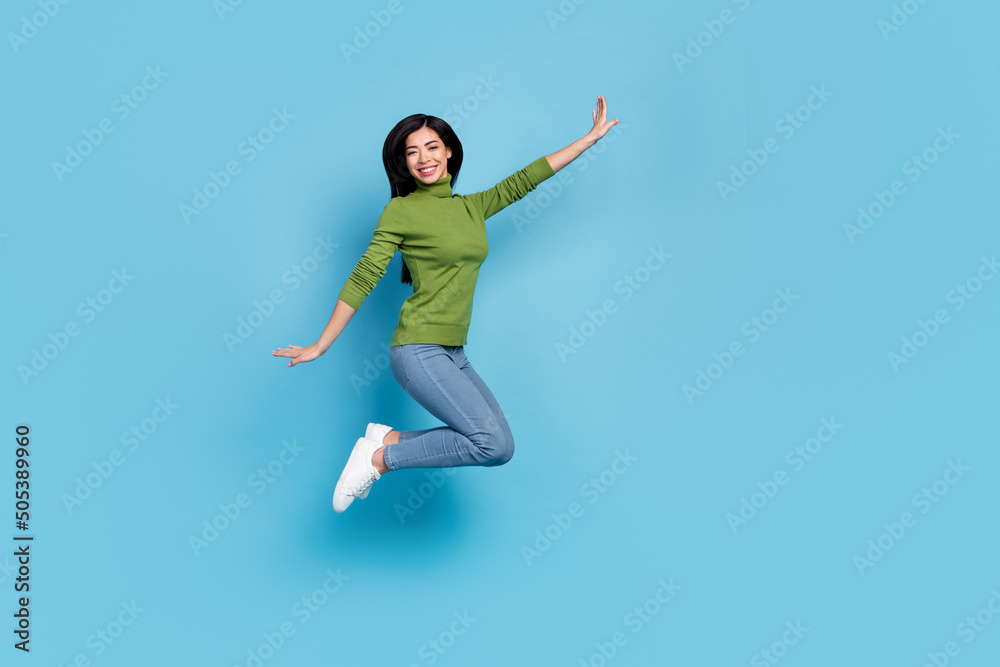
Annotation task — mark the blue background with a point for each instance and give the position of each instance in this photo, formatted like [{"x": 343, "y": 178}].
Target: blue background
[{"x": 652, "y": 182}]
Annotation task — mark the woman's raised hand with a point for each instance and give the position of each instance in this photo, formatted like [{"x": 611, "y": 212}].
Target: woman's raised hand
[
  {"x": 601, "y": 122},
  {"x": 298, "y": 354}
]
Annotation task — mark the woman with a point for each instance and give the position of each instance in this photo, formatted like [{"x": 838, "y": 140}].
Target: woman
[{"x": 442, "y": 238}]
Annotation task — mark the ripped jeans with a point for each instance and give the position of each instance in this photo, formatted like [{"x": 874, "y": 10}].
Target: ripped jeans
[{"x": 441, "y": 379}]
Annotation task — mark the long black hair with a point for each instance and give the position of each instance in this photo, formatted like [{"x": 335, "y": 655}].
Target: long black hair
[{"x": 401, "y": 182}]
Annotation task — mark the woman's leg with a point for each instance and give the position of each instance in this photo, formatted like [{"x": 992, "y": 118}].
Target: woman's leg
[
  {"x": 476, "y": 433},
  {"x": 466, "y": 367}
]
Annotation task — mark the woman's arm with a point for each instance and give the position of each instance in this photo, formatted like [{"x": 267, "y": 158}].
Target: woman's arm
[
  {"x": 342, "y": 314},
  {"x": 563, "y": 157}
]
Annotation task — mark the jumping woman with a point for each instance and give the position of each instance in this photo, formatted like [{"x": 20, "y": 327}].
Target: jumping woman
[{"x": 442, "y": 238}]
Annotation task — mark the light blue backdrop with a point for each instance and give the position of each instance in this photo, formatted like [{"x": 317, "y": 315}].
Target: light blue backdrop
[{"x": 753, "y": 424}]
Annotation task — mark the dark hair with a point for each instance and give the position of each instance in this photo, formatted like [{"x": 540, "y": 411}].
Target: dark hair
[{"x": 401, "y": 181}]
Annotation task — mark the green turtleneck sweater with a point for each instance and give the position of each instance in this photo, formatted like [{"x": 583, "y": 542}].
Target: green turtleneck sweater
[{"x": 442, "y": 237}]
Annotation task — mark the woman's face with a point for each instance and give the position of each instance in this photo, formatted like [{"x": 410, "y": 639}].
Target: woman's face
[{"x": 424, "y": 150}]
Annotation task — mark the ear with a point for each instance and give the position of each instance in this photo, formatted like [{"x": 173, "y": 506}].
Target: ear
[{"x": 449, "y": 153}]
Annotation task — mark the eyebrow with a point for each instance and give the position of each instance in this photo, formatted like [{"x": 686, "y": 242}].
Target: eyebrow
[{"x": 432, "y": 141}]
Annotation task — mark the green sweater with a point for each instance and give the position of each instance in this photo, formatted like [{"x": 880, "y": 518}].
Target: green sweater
[{"x": 442, "y": 237}]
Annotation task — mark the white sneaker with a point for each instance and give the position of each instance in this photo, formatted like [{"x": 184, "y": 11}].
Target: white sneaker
[
  {"x": 358, "y": 475},
  {"x": 376, "y": 432}
]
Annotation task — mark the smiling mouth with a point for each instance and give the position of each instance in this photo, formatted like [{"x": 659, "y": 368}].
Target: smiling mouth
[{"x": 428, "y": 170}]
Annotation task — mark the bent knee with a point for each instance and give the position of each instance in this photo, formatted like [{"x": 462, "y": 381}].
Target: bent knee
[
  {"x": 507, "y": 454},
  {"x": 495, "y": 448},
  {"x": 502, "y": 451}
]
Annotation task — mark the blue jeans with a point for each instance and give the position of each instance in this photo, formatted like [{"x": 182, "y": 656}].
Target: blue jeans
[{"x": 441, "y": 379}]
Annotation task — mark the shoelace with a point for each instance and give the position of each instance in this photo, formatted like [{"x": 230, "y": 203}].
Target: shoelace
[{"x": 363, "y": 483}]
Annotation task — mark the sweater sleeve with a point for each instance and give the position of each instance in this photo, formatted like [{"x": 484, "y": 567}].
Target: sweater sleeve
[
  {"x": 371, "y": 267},
  {"x": 512, "y": 188}
]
